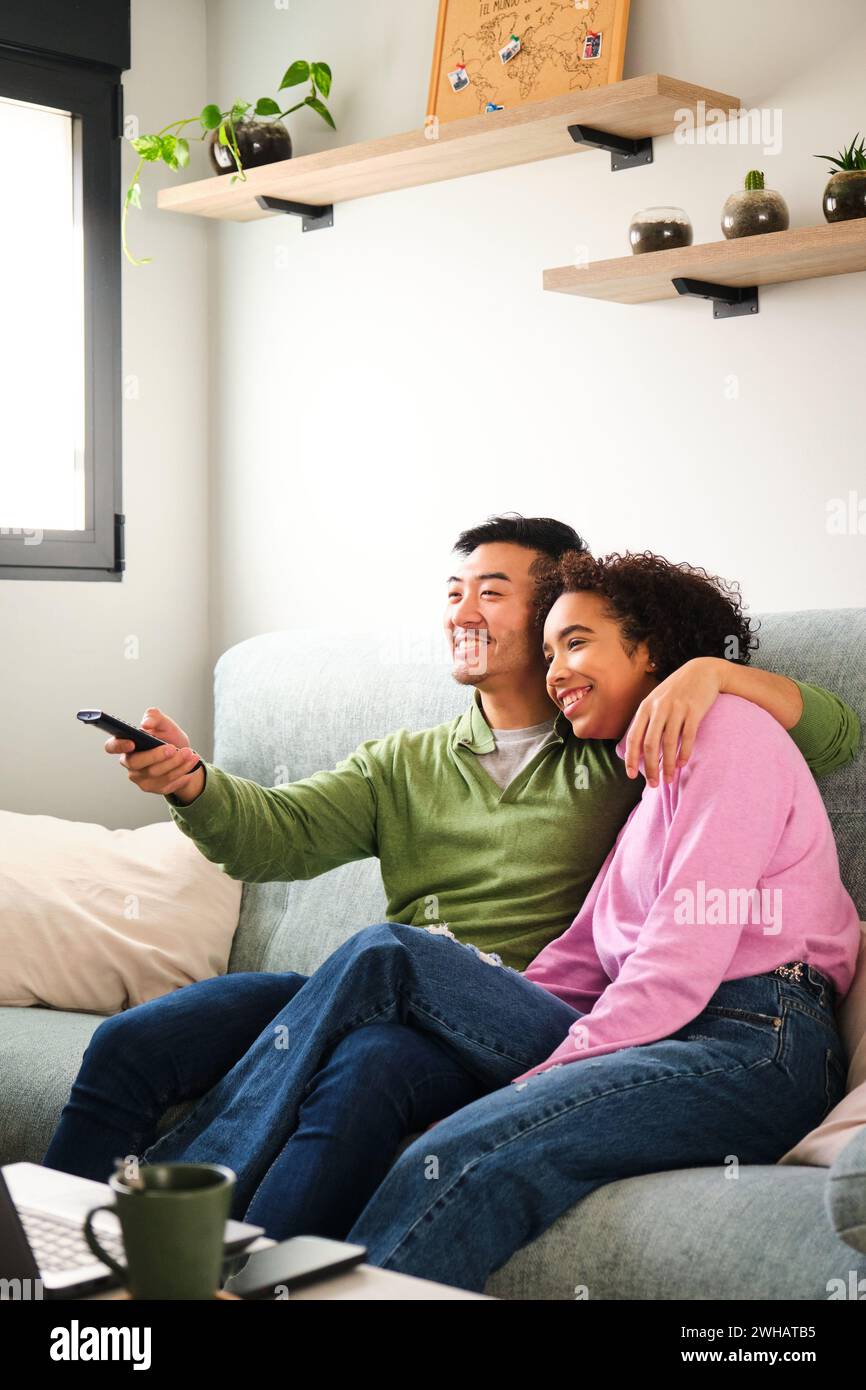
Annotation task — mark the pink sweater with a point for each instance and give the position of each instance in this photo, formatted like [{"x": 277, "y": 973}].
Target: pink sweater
[{"x": 670, "y": 915}]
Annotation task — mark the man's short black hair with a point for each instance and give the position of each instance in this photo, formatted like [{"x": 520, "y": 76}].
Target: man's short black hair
[{"x": 542, "y": 533}]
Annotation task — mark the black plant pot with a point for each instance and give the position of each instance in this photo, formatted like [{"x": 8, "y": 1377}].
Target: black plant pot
[{"x": 259, "y": 142}]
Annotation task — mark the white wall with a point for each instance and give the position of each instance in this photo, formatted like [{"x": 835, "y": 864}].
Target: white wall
[
  {"x": 64, "y": 644},
  {"x": 385, "y": 383}
]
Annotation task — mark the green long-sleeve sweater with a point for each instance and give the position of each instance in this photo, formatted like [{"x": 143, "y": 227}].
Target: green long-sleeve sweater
[{"x": 506, "y": 870}]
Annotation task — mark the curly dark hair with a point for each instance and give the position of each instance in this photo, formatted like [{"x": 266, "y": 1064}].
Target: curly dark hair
[{"x": 680, "y": 611}]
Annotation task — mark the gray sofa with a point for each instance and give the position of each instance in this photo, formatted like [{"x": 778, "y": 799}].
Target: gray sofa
[{"x": 285, "y": 706}]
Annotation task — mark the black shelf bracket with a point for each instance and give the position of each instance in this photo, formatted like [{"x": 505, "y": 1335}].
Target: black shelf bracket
[
  {"x": 624, "y": 153},
  {"x": 729, "y": 301},
  {"x": 312, "y": 218}
]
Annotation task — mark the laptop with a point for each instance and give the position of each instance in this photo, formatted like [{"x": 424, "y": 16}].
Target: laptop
[{"x": 42, "y": 1215}]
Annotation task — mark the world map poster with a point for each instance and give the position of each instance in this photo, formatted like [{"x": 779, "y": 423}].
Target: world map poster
[{"x": 502, "y": 53}]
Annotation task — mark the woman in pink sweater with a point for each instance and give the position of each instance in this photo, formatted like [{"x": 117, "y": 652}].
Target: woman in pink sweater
[{"x": 721, "y": 870}]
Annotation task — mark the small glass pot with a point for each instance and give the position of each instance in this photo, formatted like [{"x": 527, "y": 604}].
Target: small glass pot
[
  {"x": 752, "y": 211},
  {"x": 845, "y": 195},
  {"x": 659, "y": 229}
]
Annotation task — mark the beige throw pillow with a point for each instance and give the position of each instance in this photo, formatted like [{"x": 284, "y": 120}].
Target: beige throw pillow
[
  {"x": 97, "y": 920},
  {"x": 822, "y": 1144}
]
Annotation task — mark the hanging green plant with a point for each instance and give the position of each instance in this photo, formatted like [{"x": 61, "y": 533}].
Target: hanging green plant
[{"x": 241, "y": 136}]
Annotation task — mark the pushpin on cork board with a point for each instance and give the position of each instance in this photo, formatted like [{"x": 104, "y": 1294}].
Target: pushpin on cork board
[
  {"x": 459, "y": 78},
  {"x": 510, "y": 49}
]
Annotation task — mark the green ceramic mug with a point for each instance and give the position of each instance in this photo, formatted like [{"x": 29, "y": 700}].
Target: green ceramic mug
[{"x": 173, "y": 1229}]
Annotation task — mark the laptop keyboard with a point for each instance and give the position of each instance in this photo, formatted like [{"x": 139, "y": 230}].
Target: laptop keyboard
[{"x": 59, "y": 1244}]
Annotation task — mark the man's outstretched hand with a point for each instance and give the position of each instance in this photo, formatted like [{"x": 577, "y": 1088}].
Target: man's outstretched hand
[
  {"x": 665, "y": 723},
  {"x": 161, "y": 770}
]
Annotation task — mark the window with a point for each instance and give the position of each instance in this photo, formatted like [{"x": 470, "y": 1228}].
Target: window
[
  {"x": 60, "y": 346},
  {"x": 41, "y": 361}
]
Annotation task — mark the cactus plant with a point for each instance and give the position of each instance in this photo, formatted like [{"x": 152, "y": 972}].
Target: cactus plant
[{"x": 754, "y": 209}]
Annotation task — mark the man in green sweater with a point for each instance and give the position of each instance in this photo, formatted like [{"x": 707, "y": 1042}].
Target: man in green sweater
[{"x": 496, "y": 823}]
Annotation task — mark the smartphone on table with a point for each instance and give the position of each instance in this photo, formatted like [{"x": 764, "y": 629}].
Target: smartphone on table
[
  {"x": 292, "y": 1264},
  {"x": 98, "y": 719}
]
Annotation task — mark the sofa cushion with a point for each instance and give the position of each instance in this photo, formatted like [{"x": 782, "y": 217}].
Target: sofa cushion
[
  {"x": 696, "y": 1233},
  {"x": 42, "y": 1051},
  {"x": 97, "y": 920}
]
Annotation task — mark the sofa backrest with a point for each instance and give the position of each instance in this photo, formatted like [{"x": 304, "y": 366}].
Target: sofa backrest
[{"x": 288, "y": 704}]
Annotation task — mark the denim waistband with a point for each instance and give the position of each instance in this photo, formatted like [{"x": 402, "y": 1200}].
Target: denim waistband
[{"x": 802, "y": 973}]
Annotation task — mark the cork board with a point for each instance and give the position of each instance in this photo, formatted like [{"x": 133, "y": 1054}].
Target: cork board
[{"x": 564, "y": 46}]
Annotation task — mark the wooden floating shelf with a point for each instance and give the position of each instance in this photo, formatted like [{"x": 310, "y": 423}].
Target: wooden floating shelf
[
  {"x": 802, "y": 253},
  {"x": 638, "y": 107}
]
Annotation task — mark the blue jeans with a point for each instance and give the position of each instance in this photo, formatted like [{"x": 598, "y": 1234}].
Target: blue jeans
[
  {"x": 757, "y": 1069},
  {"x": 175, "y": 1048}
]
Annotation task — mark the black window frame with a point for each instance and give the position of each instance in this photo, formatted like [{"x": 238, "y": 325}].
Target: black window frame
[{"x": 94, "y": 95}]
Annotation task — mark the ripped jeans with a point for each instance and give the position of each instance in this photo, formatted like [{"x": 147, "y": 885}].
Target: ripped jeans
[{"x": 754, "y": 1072}]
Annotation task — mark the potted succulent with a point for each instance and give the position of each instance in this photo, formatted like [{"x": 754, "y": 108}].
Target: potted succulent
[
  {"x": 754, "y": 209},
  {"x": 242, "y": 136},
  {"x": 845, "y": 194}
]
